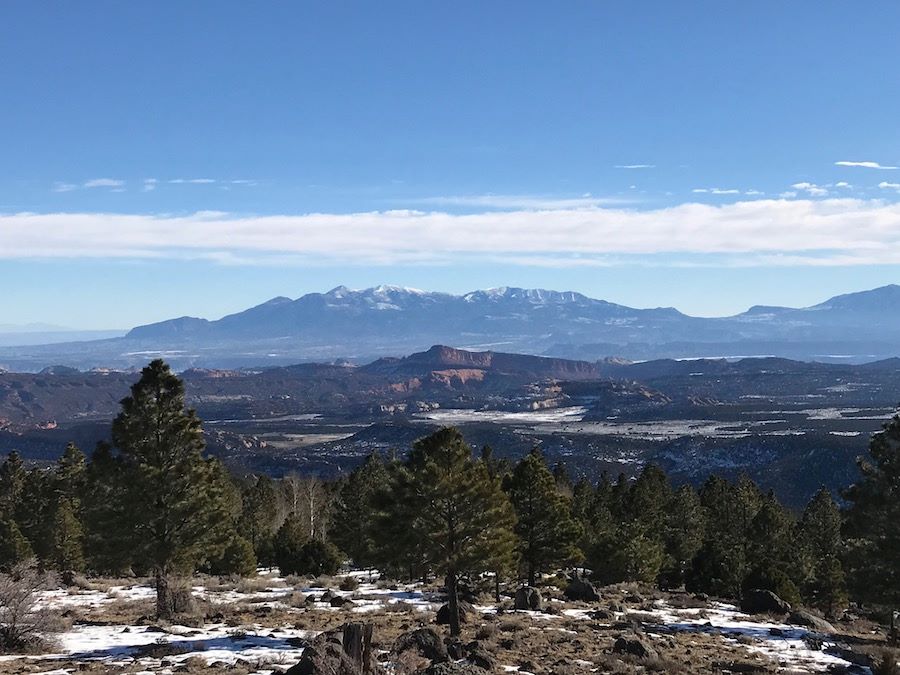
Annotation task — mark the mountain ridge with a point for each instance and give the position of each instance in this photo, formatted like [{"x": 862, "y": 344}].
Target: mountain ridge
[{"x": 363, "y": 325}]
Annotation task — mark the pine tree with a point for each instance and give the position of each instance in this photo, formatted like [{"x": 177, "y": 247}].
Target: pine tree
[
  {"x": 176, "y": 498},
  {"x": 14, "y": 548},
  {"x": 772, "y": 551},
  {"x": 258, "y": 513},
  {"x": 722, "y": 563},
  {"x": 110, "y": 539},
  {"x": 873, "y": 520},
  {"x": 288, "y": 544},
  {"x": 353, "y": 527},
  {"x": 683, "y": 535},
  {"x": 820, "y": 533},
  {"x": 547, "y": 534},
  {"x": 464, "y": 518},
  {"x": 68, "y": 538},
  {"x": 70, "y": 474},
  {"x": 12, "y": 481}
]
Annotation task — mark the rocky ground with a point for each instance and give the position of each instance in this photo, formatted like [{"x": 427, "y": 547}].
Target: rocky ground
[{"x": 270, "y": 624}]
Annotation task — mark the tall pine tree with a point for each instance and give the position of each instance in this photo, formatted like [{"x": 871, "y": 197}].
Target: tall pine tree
[
  {"x": 176, "y": 497},
  {"x": 546, "y": 532},
  {"x": 464, "y": 519},
  {"x": 873, "y": 520}
]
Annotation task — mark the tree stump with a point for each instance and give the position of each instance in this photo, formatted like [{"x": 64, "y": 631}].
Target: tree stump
[{"x": 357, "y": 644}]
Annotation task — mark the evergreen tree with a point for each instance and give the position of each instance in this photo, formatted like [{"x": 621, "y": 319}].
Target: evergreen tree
[
  {"x": 14, "y": 548},
  {"x": 238, "y": 557},
  {"x": 873, "y": 520},
  {"x": 353, "y": 526},
  {"x": 258, "y": 513},
  {"x": 70, "y": 475},
  {"x": 68, "y": 536},
  {"x": 464, "y": 518},
  {"x": 722, "y": 563},
  {"x": 110, "y": 541},
  {"x": 683, "y": 535},
  {"x": 772, "y": 551},
  {"x": 12, "y": 481},
  {"x": 547, "y": 534},
  {"x": 287, "y": 545},
  {"x": 177, "y": 498},
  {"x": 820, "y": 532},
  {"x": 34, "y": 512}
]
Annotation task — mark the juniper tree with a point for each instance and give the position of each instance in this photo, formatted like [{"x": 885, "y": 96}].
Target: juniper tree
[
  {"x": 873, "y": 520},
  {"x": 464, "y": 519},
  {"x": 546, "y": 532},
  {"x": 176, "y": 497}
]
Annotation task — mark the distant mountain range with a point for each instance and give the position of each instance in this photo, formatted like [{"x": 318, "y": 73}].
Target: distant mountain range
[{"x": 387, "y": 320}]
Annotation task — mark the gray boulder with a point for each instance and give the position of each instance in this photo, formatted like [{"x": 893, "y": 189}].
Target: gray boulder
[
  {"x": 581, "y": 589},
  {"x": 465, "y": 611},
  {"x": 801, "y": 617},
  {"x": 759, "y": 601},
  {"x": 528, "y": 597},
  {"x": 423, "y": 641},
  {"x": 634, "y": 646}
]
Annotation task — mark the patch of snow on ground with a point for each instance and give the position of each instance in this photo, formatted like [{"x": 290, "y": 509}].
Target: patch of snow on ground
[{"x": 794, "y": 647}]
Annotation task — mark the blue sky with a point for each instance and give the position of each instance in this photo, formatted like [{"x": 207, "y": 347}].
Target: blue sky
[{"x": 167, "y": 158}]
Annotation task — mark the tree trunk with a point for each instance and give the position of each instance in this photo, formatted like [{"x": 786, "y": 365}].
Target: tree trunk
[
  {"x": 497, "y": 587},
  {"x": 453, "y": 602},
  {"x": 531, "y": 574},
  {"x": 163, "y": 600},
  {"x": 357, "y": 644}
]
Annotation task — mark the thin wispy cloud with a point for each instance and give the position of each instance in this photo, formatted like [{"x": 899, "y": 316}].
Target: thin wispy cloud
[
  {"x": 104, "y": 182},
  {"x": 529, "y": 202},
  {"x": 635, "y": 166},
  {"x": 192, "y": 181},
  {"x": 884, "y": 185},
  {"x": 149, "y": 184},
  {"x": 716, "y": 191},
  {"x": 865, "y": 165},
  {"x": 64, "y": 187},
  {"x": 760, "y": 231}
]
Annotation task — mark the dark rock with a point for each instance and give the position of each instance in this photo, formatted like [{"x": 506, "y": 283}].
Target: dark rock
[
  {"x": 465, "y": 611},
  {"x": 581, "y": 589},
  {"x": 479, "y": 655},
  {"x": 635, "y": 647},
  {"x": 758, "y": 601},
  {"x": 601, "y": 615},
  {"x": 801, "y": 617},
  {"x": 327, "y": 596},
  {"x": 451, "y": 668},
  {"x": 528, "y": 666},
  {"x": 425, "y": 642},
  {"x": 528, "y": 597},
  {"x": 456, "y": 650},
  {"x": 339, "y": 601}
]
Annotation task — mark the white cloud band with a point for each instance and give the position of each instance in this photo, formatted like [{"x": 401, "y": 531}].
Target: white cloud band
[{"x": 764, "y": 231}]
